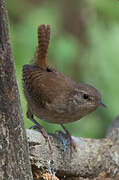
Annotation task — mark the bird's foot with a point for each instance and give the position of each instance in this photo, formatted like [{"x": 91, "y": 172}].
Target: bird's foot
[
  {"x": 44, "y": 133},
  {"x": 69, "y": 138},
  {"x": 62, "y": 137},
  {"x": 66, "y": 140}
]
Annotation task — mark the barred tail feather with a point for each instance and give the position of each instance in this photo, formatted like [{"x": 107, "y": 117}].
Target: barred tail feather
[{"x": 43, "y": 43}]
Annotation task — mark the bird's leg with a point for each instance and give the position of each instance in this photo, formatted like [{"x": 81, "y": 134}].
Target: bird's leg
[
  {"x": 68, "y": 136},
  {"x": 39, "y": 128}
]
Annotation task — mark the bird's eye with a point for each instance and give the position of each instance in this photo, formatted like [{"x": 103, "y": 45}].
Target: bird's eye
[{"x": 85, "y": 96}]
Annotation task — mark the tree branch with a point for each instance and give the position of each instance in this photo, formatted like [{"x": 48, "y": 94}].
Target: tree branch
[{"x": 91, "y": 158}]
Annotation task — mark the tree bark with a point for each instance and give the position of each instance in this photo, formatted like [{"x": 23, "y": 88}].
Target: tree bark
[
  {"x": 14, "y": 157},
  {"x": 95, "y": 159}
]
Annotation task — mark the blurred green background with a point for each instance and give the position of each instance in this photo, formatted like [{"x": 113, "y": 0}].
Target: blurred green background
[{"x": 84, "y": 45}]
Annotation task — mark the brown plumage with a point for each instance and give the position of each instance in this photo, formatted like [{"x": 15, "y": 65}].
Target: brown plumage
[
  {"x": 52, "y": 96},
  {"x": 43, "y": 43}
]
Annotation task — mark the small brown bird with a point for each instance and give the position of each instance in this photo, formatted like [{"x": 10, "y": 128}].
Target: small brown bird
[{"x": 52, "y": 96}]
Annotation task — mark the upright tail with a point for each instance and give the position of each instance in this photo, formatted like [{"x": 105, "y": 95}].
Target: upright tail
[{"x": 43, "y": 43}]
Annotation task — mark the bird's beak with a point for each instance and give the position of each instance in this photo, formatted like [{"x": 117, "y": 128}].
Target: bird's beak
[{"x": 101, "y": 104}]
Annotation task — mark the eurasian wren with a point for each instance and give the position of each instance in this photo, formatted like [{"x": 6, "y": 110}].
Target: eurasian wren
[{"x": 52, "y": 96}]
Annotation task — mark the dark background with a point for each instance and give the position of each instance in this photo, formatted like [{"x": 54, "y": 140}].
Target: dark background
[{"x": 84, "y": 45}]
